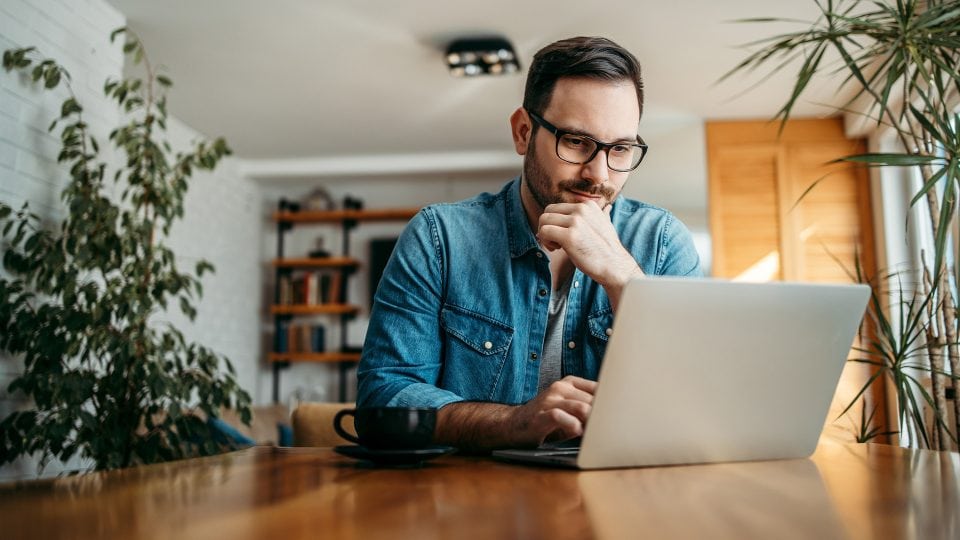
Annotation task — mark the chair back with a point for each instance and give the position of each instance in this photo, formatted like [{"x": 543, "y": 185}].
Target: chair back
[{"x": 313, "y": 424}]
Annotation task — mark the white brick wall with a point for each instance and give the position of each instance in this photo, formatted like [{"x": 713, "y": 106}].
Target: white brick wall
[{"x": 222, "y": 222}]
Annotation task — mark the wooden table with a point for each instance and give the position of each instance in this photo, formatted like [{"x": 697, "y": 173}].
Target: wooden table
[{"x": 862, "y": 491}]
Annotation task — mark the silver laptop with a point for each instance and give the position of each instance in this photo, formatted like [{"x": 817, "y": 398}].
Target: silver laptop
[{"x": 704, "y": 371}]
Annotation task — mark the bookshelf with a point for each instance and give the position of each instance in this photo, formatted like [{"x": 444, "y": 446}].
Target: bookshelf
[
  {"x": 310, "y": 287},
  {"x": 315, "y": 309}
]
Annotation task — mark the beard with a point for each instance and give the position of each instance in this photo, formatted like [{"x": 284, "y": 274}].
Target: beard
[{"x": 545, "y": 193}]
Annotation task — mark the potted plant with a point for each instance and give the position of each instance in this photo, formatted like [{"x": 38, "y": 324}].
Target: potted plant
[
  {"x": 108, "y": 380},
  {"x": 903, "y": 58}
]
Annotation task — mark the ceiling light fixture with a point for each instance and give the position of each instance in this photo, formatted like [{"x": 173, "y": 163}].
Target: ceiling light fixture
[{"x": 481, "y": 56}]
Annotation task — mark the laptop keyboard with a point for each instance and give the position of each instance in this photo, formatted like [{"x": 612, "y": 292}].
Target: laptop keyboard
[{"x": 556, "y": 452}]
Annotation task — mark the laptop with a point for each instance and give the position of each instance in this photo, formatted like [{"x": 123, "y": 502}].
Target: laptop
[{"x": 705, "y": 371}]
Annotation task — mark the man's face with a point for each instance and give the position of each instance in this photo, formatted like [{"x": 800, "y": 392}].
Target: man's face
[{"x": 607, "y": 111}]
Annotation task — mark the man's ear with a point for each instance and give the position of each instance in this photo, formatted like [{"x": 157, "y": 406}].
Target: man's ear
[{"x": 521, "y": 128}]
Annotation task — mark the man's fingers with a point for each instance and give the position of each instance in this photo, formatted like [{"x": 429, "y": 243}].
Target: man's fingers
[
  {"x": 554, "y": 235},
  {"x": 566, "y": 392},
  {"x": 560, "y": 220},
  {"x": 580, "y": 216},
  {"x": 582, "y": 384},
  {"x": 576, "y": 408},
  {"x": 569, "y": 208},
  {"x": 547, "y": 242},
  {"x": 564, "y": 426}
]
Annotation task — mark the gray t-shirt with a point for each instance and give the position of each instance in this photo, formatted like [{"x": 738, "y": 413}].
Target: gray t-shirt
[{"x": 551, "y": 368}]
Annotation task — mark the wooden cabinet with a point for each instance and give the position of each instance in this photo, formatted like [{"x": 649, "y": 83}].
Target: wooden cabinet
[
  {"x": 325, "y": 290},
  {"x": 767, "y": 219}
]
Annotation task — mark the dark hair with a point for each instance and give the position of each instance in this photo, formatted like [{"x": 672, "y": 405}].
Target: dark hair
[{"x": 590, "y": 57}]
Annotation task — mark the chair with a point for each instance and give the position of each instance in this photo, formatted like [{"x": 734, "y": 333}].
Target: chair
[
  {"x": 266, "y": 426},
  {"x": 313, "y": 424}
]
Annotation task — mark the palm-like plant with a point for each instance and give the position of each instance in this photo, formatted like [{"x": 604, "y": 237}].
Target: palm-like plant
[{"x": 903, "y": 58}]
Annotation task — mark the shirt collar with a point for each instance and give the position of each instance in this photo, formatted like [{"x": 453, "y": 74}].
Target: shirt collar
[{"x": 520, "y": 236}]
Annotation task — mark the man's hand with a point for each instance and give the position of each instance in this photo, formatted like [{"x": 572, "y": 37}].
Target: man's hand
[
  {"x": 584, "y": 231},
  {"x": 558, "y": 413}
]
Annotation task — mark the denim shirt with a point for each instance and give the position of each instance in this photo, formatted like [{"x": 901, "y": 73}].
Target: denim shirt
[{"x": 461, "y": 310}]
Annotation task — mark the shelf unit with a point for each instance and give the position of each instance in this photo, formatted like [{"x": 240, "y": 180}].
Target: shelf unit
[{"x": 342, "y": 311}]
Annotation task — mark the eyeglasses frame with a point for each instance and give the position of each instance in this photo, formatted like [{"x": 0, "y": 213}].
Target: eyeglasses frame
[{"x": 559, "y": 133}]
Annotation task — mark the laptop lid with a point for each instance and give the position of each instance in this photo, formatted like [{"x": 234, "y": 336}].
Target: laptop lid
[
  {"x": 703, "y": 370},
  {"x": 712, "y": 370}
]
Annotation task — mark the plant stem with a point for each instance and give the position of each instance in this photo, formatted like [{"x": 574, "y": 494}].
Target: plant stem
[{"x": 935, "y": 348}]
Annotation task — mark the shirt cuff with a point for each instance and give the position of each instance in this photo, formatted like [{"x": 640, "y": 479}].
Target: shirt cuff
[{"x": 423, "y": 395}]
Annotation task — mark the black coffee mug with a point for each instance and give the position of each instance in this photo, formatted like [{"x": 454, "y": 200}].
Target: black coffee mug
[{"x": 389, "y": 427}]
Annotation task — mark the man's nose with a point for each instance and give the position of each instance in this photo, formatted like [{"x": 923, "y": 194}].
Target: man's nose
[{"x": 596, "y": 169}]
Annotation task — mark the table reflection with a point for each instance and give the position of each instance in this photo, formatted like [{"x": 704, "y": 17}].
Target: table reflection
[{"x": 730, "y": 500}]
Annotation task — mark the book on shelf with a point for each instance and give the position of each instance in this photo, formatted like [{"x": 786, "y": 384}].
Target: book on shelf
[
  {"x": 318, "y": 338},
  {"x": 285, "y": 289},
  {"x": 310, "y": 288},
  {"x": 333, "y": 288},
  {"x": 301, "y": 338}
]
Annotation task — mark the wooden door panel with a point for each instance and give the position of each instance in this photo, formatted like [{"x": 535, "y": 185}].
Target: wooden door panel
[
  {"x": 744, "y": 208},
  {"x": 828, "y": 217}
]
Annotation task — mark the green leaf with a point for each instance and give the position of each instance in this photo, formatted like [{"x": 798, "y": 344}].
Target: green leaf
[
  {"x": 925, "y": 122},
  {"x": 164, "y": 81},
  {"x": 69, "y": 107},
  {"x": 943, "y": 227},
  {"x": 53, "y": 78},
  {"x": 928, "y": 185},
  {"x": 204, "y": 266},
  {"x": 117, "y": 32},
  {"x": 901, "y": 160}
]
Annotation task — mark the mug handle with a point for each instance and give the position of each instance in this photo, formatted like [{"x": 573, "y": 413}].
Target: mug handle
[{"x": 339, "y": 429}]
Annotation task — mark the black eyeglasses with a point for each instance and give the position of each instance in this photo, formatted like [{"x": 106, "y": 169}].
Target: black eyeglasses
[{"x": 579, "y": 149}]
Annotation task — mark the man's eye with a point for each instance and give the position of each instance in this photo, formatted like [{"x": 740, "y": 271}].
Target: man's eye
[
  {"x": 574, "y": 142},
  {"x": 620, "y": 149}
]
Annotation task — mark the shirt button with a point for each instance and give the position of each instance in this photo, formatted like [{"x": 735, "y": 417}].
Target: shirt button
[
  {"x": 542, "y": 292},
  {"x": 533, "y": 356},
  {"x": 572, "y": 345},
  {"x": 608, "y": 332},
  {"x": 487, "y": 345},
  {"x": 539, "y": 255},
  {"x": 576, "y": 284}
]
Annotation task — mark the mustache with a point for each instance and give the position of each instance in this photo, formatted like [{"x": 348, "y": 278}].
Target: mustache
[{"x": 588, "y": 187}]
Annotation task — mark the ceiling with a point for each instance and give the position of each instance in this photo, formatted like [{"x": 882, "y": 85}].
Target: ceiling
[{"x": 296, "y": 79}]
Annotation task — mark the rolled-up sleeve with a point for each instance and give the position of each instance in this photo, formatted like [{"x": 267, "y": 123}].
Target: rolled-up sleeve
[
  {"x": 677, "y": 255},
  {"x": 402, "y": 357}
]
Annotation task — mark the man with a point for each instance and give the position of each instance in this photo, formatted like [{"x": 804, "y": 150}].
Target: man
[{"x": 497, "y": 309}]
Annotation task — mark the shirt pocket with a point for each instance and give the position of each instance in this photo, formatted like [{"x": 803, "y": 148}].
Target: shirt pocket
[
  {"x": 600, "y": 325},
  {"x": 476, "y": 349}
]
